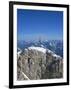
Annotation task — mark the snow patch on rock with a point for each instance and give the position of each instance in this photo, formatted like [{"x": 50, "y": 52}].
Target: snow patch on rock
[{"x": 37, "y": 48}]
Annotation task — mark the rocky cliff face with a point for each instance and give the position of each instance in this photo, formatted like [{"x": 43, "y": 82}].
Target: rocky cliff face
[{"x": 38, "y": 63}]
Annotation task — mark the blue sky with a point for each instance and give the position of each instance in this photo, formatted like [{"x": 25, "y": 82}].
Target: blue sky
[{"x": 35, "y": 24}]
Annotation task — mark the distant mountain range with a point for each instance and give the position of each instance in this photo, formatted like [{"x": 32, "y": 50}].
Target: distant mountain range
[{"x": 55, "y": 46}]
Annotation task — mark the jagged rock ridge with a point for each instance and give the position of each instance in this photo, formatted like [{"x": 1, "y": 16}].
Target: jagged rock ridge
[{"x": 38, "y": 63}]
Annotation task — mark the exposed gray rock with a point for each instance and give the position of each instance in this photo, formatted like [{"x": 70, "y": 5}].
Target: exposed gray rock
[{"x": 39, "y": 63}]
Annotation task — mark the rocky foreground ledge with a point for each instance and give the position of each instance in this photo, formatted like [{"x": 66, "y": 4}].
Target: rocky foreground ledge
[{"x": 38, "y": 63}]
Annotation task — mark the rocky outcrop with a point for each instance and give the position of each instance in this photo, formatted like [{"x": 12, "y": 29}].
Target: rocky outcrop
[{"x": 39, "y": 63}]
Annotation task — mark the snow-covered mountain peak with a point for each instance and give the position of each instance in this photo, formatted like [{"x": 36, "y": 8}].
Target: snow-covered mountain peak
[
  {"x": 44, "y": 50},
  {"x": 41, "y": 49}
]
